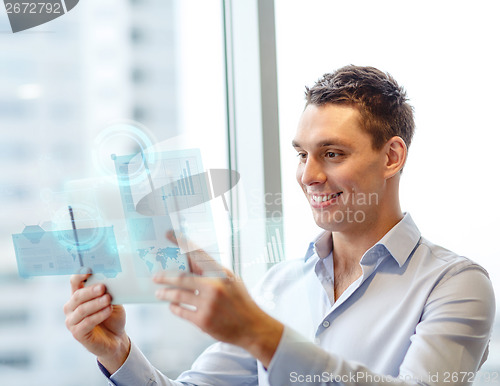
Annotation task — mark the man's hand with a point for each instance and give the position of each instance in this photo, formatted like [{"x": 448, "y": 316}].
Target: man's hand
[
  {"x": 223, "y": 307},
  {"x": 97, "y": 324}
]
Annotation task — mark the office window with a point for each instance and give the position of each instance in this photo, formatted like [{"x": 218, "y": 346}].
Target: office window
[{"x": 63, "y": 83}]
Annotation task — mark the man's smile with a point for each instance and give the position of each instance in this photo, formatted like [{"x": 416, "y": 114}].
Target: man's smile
[{"x": 323, "y": 200}]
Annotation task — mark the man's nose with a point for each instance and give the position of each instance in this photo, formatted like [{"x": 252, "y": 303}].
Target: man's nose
[{"x": 313, "y": 172}]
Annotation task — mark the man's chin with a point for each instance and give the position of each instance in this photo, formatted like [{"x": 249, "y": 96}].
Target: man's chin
[
  {"x": 337, "y": 221},
  {"x": 332, "y": 226}
]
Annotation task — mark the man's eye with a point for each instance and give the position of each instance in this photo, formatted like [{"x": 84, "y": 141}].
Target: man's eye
[
  {"x": 302, "y": 156},
  {"x": 332, "y": 154}
]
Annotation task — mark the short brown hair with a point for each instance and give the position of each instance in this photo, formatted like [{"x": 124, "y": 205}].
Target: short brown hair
[{"x": 381, "y": 101}]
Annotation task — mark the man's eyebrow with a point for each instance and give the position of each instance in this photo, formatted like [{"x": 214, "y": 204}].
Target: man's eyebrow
[{"x": 326, "y": 143}]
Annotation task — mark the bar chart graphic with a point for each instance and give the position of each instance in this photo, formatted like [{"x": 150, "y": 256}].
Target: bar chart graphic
[
  {"x": 168, "y": 191},
  {"x": 185, "y": 186},
  {"x": 180, "y": 183}
]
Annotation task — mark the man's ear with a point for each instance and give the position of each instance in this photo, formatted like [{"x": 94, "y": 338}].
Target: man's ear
[{"x": 396, "y": 152}]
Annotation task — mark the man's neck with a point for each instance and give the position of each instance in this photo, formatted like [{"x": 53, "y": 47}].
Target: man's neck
[{"x": 351, "y": 245}]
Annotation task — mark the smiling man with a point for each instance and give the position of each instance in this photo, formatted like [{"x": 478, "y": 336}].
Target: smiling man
[
  {"x": 351, "y": 185},
  {"x": 372, "y": 301}
]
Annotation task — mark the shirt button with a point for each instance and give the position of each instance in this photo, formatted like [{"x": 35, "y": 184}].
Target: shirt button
[{"x": 326, "y": 324}]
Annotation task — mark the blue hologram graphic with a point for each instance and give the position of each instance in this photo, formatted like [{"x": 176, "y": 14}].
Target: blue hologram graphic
[
  {"x": 173, "y": 194},
  {"x": 43, "y": 253},
  {"x": 159, "y": 191},
  {"x": 123, "y": 137}
]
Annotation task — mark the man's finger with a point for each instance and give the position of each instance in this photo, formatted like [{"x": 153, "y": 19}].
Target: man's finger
[
  {"x": 184, "y": 281},
  {"x": 83, "y": 295},
  {"x": 86, "y": 325},
  {"x": 78, "y": 281},
  {"x": 86, "y": 309},
  {"x": 183, "y": 312},
  {"x": 171, "y": 237},
  {"x": 204, "y": 265},
  {"x": 178, "y": 238},
  {"x": 200, "y": 262},
  {"x": 175, "y": 295}
]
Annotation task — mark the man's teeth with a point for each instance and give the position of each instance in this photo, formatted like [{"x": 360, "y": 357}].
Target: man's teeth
[{"x": 325, "y": 198}]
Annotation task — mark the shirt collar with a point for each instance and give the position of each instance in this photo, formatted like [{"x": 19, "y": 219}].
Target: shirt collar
[
  {"x": 323, "y": 244},
  {"x": 400, "y": 241}
]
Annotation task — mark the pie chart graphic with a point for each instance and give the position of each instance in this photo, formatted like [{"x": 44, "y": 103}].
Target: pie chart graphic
[{"x": 27, "y": 14}]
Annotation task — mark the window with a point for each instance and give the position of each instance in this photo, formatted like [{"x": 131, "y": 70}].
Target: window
[{"x": 158, "y": 62}]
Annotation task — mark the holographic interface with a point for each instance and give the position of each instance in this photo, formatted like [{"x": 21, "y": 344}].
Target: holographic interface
[
  {"x": 41, "y": 252},
  {"x": 159, "y": 191},
  {"x": 163, "y": 191}
]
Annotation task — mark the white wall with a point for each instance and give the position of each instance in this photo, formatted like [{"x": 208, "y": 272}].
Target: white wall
[{"x": 444, "y": 53}]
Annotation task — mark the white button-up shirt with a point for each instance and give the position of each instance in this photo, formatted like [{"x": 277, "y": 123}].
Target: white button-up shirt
[{"x": 418, "y": 314}]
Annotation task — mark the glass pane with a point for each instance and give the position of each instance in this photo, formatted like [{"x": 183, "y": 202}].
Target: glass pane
[{"x": 148, "y": 70}]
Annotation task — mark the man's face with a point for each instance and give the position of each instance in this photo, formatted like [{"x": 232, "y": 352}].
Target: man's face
[{"x": 340, "y": 173}]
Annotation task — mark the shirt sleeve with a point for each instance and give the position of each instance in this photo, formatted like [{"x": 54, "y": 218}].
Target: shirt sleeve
[
  {"x": 448, "y": 347},
  {"x": 138, "y": 371},
  {"x": 221, "y": 364}
]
